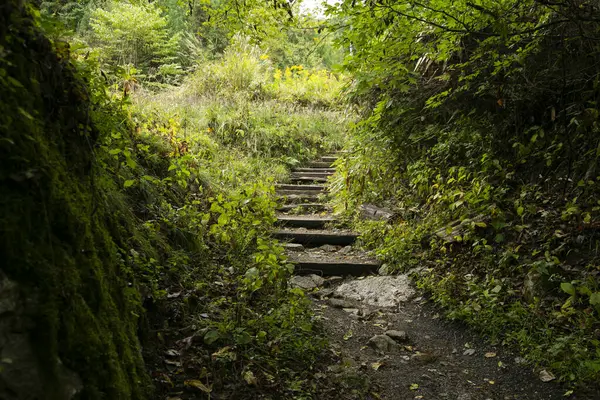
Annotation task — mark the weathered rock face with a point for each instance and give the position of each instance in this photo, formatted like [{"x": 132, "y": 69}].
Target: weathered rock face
[
  {"x": 22, "y": 374},
  {"x": 380, "y": 291},
  {"x": 65, "y": 301}
]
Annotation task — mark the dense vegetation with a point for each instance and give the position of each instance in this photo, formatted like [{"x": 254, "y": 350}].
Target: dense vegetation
[
  {"x": 139, "y": 143},
  {"x": 480, "y": 130},
  {"x": 136, "y": 213}
]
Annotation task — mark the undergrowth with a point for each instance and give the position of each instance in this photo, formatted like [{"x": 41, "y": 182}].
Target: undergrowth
[
  {"x": 142, "y": 220},
  {"x": 479, "y": 131}
]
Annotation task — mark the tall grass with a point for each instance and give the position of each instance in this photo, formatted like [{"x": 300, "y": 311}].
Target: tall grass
[{"x": 243, "y": 123}]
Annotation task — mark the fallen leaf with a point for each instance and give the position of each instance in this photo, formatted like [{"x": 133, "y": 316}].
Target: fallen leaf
[
  {"x": 546, "y": 376},
  {"x": 469, "y": 352},
  {"x": 414, "y": 386},
  {"x": 490, "y": 355},
  {"x": 250, "y": 378},
  {"x": 376, "y": 365},
  {"x": 198, "y": 385}
]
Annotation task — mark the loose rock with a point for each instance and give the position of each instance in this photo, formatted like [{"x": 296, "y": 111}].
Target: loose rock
[
  {"x": 329, "y": 248},
  {"x": 383, "y": 343},
  {"x": 307, "y": 282},
  {"x": 380, "y": 291},
  {"x": 323, "y": 293},
  {"x": 398, "y": 336}
]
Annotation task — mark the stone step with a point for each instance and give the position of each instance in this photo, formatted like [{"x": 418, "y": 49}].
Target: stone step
[
  {"x": 329, "y": 159},
  {"x": 302, "y": 188},
  {"x": 320, "y": 164},
  {"x": 315, "y": 171},
  {"x": 300, "y": 179},
  {"x": 331, "y": 265},
  {"x": 305, "y": 221},
  {"x": 316, "y": 237},
  {"x": 296, "y": 198},
  {"x": 314, "y": 207}
]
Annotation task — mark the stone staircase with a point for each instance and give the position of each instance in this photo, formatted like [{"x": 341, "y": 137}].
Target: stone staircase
[{"x": 314, "y": 243}]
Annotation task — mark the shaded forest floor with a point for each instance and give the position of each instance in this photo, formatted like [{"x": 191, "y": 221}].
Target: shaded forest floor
[{"x": 437, "y": 359}]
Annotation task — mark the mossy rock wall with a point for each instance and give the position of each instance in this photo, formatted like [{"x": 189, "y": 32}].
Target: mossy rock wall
[{"x": 76, "y": 308}]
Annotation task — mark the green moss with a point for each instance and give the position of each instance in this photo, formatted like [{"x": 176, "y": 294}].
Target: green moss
[{"x": 55, "y": 228}]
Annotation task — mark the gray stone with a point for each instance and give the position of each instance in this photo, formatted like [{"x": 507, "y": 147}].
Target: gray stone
[
  {"x": 398, "y": 336},
  {"x": 293, "y": 246},
  {"x": 306, "y": 282},
  {"x": 329, "y": 248},
  {"x": 345, "y": 250},
  {"x": 339, "y": 303},
  {"x": 383, "y": 343},
  {"x": 322, "y": 293},
  {"x": 378, "y": 291}
]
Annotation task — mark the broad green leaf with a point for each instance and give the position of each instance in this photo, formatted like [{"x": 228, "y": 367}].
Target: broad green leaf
[{"x": 568, "y": 288}]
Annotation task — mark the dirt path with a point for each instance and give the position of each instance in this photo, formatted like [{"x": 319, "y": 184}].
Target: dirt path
[
  {"x": 388, "y": 342},
  {"x": 429, "y": 359}
]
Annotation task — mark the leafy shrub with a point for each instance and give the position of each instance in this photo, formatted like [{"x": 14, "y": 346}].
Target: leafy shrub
[
  {"x": 491, "y": 169},
  {"x": 241, "y": 70},
  {"x": 298, "y": 85}
]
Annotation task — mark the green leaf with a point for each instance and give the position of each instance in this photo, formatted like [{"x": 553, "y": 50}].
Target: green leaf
[
  {"x": 211, "y": 336},
  {"x": 129, "y": 183},
  {"x": 243, "y": 338},
  {"x": 595, "y": 299},
  {"x": 568, "y": 288},
  {"x": 223, "y": 219}
]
